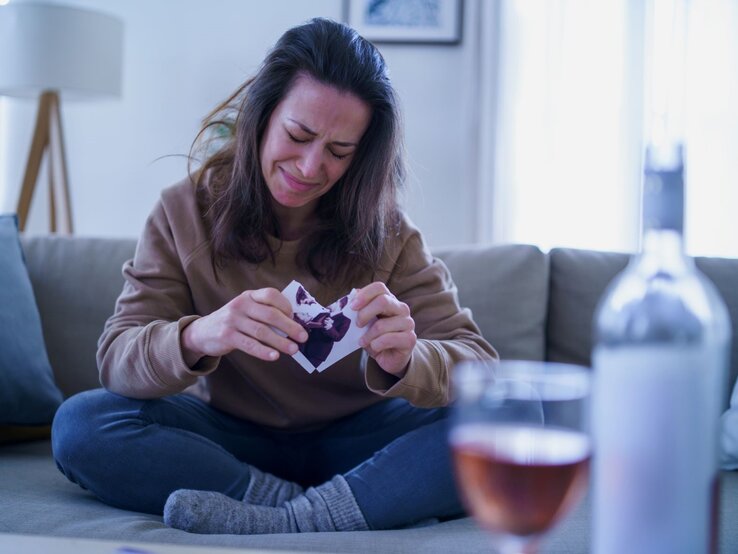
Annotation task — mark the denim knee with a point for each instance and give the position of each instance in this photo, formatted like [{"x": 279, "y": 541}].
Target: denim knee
[{"x": 77, "y": 428}]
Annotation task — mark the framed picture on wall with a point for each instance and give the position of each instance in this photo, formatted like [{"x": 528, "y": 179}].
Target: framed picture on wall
[{"x": 406, "y": 21}]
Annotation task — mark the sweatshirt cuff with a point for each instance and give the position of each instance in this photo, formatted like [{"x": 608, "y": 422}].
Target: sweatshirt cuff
[
  {"x": 165, "y": 357},
  {"x": 425, "y": 384}
]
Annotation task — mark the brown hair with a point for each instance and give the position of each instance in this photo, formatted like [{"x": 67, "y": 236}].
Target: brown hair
[{"x": 359, "y": 211}]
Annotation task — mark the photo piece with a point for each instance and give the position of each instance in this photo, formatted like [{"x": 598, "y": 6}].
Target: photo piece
[{"x": 332, "y": 330}]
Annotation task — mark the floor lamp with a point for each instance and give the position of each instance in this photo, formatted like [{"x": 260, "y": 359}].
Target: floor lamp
[{"x": 51, "y": 52}]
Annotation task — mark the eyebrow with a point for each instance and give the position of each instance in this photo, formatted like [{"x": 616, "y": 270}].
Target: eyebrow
[{"x": 309, "y": 131}]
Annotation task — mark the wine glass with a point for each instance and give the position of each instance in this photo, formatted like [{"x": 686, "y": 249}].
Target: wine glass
[{"x": 521, "y": 446}]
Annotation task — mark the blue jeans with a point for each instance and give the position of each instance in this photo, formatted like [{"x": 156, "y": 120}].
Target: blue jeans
[{"x": 133, "y": 453}]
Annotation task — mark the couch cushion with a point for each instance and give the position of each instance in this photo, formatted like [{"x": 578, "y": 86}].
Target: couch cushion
[
  {"x": 578, "y": 281},
  {"x": 28, "y": 394},
  {"x": 35, "y": 498},
  {"x": 506, "y": 288},
  {"x": 723, "y": 273},
  {"x": 76, "y": 282}
]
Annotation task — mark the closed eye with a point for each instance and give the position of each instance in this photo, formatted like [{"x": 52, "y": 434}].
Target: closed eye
[
  {"x": 293, "y": 138},
  {"x": 339, "y": 156}
]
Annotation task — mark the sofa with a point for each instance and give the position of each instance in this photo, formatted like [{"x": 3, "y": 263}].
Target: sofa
[{"x": 528, "y": 304}]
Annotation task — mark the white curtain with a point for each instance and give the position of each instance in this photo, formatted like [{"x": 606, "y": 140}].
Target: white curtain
[
  {"x": 560, "y": 152},
  {"x": 711, "y": 225}
]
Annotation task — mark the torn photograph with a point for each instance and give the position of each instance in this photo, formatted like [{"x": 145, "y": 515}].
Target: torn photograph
[{"x": 332, "y": 330}]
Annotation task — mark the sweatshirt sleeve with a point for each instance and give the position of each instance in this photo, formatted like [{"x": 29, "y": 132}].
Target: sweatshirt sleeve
[
  {"x": 446, "y": 332},
  {"x": 139, "y": 353}
]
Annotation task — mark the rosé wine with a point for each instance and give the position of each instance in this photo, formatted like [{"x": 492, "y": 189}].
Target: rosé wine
[{"x": 518, "y": 479}]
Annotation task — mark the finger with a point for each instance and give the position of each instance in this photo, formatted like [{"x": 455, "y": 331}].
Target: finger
[
  {"x": 404, "y": 341},
  {"x": 251, "y": 346},
  {"x": 265, "y": 335},
  {"x": 388, "y": 325},
  {"x": 365, "y": 295},
  {"x": 270, "y": 315},
  {"x": 382, "y": 306},
  {"x": 272, "y": 297}
]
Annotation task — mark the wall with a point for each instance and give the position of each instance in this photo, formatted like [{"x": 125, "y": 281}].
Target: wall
[{"x": 181, "y": 57}]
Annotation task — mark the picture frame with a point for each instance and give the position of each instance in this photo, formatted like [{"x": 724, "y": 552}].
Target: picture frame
[{"x": 406, "y": 21}]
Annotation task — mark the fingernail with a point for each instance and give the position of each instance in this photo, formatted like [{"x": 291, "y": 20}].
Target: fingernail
[
  {"x": 293, "y": 348},
  {"x": 354, "y": 303},
  {"x": 303, "y": 337},
  {"x": 273, "y": 355}
]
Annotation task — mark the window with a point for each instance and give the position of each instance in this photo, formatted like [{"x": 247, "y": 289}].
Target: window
[{"x": 569, "y": 125}]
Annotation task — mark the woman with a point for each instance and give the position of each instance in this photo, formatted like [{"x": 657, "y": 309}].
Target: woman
[{"x": 205, "y": 416}]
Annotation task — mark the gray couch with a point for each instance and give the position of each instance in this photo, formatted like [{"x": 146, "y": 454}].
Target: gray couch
[{"x": 530, "y": 305}]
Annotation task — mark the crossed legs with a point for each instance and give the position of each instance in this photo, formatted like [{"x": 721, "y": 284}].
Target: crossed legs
[{"x": 391, "y": 457}]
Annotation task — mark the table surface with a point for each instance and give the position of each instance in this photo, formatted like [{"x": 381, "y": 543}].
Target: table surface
[{"x": 33, "y": 544}]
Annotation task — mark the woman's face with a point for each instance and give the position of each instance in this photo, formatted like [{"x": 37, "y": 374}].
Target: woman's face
[{"x": 309, "y": 142}]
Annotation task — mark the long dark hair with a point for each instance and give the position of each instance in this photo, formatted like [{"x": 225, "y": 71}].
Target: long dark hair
[{"x": 359, "y": 212}]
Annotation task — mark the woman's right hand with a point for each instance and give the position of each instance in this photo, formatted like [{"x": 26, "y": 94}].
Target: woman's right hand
[{"x": 246, "y": 323}]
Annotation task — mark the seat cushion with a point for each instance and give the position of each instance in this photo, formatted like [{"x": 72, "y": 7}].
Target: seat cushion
[
  {"x": 28, "y": 394},
  {"x": 35, "y": 498}
]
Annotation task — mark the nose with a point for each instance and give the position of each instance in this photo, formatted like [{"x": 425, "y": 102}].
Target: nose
[{"x": 310, "y": 162}]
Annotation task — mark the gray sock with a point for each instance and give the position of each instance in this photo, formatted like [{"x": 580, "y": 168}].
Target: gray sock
[
  {"x": 267, "y": 490},
  {"x": 328, "y": 507}
]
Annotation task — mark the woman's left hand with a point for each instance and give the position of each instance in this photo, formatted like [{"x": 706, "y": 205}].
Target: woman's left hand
[{"x": 391, "y": 339}]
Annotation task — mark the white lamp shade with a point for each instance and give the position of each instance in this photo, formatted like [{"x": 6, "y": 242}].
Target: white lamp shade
[{"x": 50, "y": 47}]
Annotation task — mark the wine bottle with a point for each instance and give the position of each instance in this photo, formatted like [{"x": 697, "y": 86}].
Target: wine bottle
[{"x": 660, "y": 359}]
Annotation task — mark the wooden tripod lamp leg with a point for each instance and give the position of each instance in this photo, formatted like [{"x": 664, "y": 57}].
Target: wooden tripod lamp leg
[
  {"x": 38, "y": 145},
  {"x": 47, "y": 137},
  {"x": 58, "y": 167},
  {"x": 52, "y": 196}
]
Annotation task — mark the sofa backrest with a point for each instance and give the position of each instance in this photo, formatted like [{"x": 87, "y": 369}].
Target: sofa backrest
[
  {"x": 76, "y": 282},
  {"x": 528, "y": 305},
  {"x": 506, "y": 288},
  {"x": 579, "y": 279}
]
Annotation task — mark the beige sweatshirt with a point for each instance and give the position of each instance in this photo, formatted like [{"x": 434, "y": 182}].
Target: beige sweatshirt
[{"x": 170, "y": 283}]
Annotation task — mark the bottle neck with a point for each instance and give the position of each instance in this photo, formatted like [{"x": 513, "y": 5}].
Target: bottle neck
[
  {"x": 663, "y": 188},
  {"x": 663, "y": 207},
  {"x": 666, "y": 243},
  {"x": 662, "y": 251}
]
